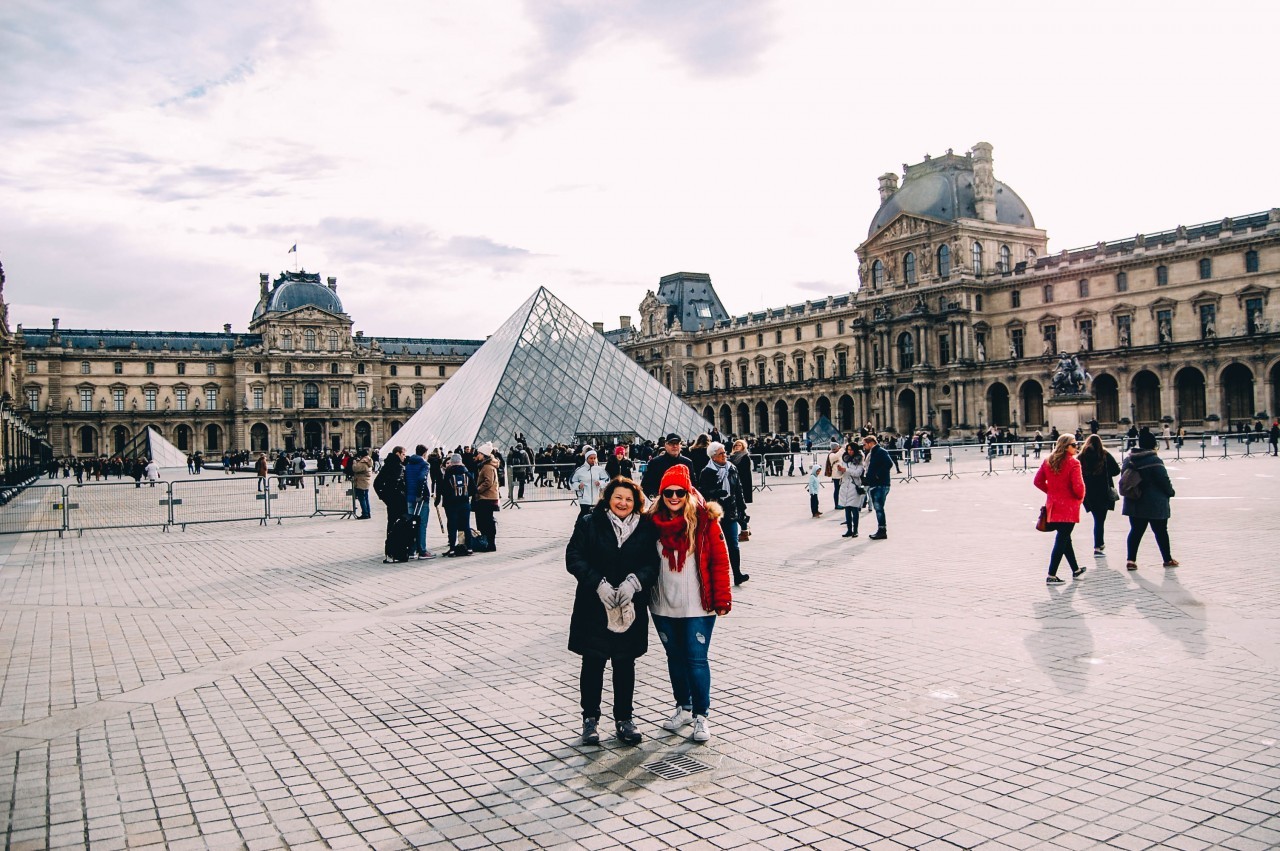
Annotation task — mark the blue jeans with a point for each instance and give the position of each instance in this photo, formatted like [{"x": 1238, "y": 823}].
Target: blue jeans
[
  {"x": 878, "y": 494},
  {"x": 731, "y": 528},
  {"x": 424, "y": 513},
  {"x": 362, "y": 500},
  {"x": 686, "y": 641}
]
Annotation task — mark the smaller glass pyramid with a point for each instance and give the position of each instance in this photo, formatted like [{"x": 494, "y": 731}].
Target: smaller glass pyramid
[{"x": 548, "y": 375}]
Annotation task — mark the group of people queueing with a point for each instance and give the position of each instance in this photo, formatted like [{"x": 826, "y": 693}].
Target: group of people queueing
[
  {"x": 1074, "y": 476},
  {"x": 668, "y": 555}
]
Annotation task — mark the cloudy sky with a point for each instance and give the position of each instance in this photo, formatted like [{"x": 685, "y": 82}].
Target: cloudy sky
[{"x": 443, "y": 159}]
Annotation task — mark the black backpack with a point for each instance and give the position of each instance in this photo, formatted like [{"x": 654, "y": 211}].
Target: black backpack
[{"x": 1130, "y": 486}]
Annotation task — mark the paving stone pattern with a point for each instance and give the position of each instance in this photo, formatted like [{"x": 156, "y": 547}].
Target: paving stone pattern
[{"x": 246, "y": 686}]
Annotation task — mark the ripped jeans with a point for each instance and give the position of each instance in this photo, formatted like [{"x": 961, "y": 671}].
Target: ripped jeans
[{"x": 686, "y": 641}]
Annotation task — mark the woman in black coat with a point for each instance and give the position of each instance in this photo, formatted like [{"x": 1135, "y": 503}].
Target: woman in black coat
[
  {"x": 1100, "y": 470},
  {"x": 614, "y": 555},
  {"x": 1151, "y": 506}
]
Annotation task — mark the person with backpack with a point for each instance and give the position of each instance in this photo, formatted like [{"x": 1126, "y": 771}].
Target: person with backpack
[
  {"x": 417, "y": 480},
  {"x": 488, "y": 495},
  {"x": 391, "y": 488},
  {"x": 455, "y": 493},
  {"x": 1062, "y": 480},
  {"x": 1146, "y": 490}
]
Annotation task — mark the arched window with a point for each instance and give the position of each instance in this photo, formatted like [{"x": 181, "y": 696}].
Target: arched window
[
  {"x": 944, "y": 261},
  {"x": 309, "y": 340},
  {"x": 1031, "y": 256},
  {"x": 1206, "y": 268},
  {"x": 310, "y": 396},
  {"x": 212, "y": 439},
  {"x": 909, "y": 268},
  {"x": 975, "y": 256},
  {"x": 286, "y": 341},
  {"x": 906, "y": 351},
  {"x": 877, "y": 274},
  {"x": 1003, "y": 265},
  {"x": 333, "y": 341}
]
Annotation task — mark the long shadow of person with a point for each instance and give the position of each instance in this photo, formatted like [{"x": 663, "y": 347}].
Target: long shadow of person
[{"x": 1063, "y": 645}]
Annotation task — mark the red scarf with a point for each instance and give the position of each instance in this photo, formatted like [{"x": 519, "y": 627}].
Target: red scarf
[{"x": 672, "y": 537}]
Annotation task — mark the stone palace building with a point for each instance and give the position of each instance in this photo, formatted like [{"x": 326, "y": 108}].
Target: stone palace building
[
  {"x": 299, "y": 378},
  {"x": 960, "y": 314}
]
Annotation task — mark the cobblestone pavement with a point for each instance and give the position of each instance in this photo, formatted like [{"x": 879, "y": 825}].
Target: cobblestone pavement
[{"x": 245, "y": 686}]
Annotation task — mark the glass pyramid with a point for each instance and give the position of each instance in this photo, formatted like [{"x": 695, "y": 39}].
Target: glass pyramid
[{"x": 547, "y": 374}]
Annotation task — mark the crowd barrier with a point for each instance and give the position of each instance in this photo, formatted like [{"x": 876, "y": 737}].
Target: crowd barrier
[{"x": 126, "y": 504}]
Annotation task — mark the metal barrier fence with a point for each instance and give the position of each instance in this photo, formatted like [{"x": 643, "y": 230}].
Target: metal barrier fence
[{"x": 121, "y": 505}]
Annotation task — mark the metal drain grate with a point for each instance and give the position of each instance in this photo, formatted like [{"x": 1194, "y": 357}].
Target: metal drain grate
[{"x": 675, "y": 767}]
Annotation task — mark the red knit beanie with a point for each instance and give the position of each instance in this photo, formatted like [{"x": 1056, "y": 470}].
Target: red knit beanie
[{"x": 676, "y": 477}]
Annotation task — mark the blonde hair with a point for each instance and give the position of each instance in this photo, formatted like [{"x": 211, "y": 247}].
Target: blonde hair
[
  {"x": 690, "y": 515},
  {"x": 1060, "y": 452},
  {"x": 739, "y": 444}
]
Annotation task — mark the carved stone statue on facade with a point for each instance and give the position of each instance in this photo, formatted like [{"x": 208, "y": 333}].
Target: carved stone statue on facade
[
  {"x": 982, "y": 352},
  {"x": 1124, "y": 337},
  {"x": 1069, "y": 377},
  {"x": 1166, "y": 334},
  {"x": 1210, "y": 330}
]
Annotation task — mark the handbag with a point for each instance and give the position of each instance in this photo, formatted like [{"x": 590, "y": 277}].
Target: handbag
[
  {"x": 744, "y": 534},
  {"x": 1114, "y": 494},
  {"x": 1042, "y": 523}
]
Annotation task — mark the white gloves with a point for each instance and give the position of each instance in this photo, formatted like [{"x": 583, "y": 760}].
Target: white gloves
[
  {"x": 606, "y": 593},
  {"x": 628, "y": 589}
]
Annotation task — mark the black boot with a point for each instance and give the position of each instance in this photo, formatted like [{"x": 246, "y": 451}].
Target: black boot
[
  {"x": 590, "y": 731},
  {"x": 880, "y": 534}
]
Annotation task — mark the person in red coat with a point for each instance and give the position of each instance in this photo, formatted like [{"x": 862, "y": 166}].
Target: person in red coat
[
  {"x": 1061, "y": 479},
  {"x": 693, "y": 588}
]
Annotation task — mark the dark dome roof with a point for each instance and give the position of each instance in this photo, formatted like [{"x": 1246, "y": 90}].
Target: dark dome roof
[
  {"x": 298, "y": 289},
  {"x": 946, "y": 193}
]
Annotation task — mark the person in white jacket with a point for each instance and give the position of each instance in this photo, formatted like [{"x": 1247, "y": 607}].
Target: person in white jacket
[
  {"x": 589, "y": 481},
  {"x": 153, "y": 472}
]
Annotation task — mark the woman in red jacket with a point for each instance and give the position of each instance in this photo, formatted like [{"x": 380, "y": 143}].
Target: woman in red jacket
[
  {"x": 693, "y": 588},
  {"x": 1060, "y": 477}
]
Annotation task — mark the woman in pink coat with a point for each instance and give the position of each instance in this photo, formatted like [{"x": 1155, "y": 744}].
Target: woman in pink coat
[{"x": 1061, "y": 479}]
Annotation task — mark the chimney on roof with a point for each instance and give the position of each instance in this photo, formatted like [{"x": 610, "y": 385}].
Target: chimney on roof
[
  {"x": 55, "y": 323},
  {"x": 599, "y": 326},
  {"x": 984, "y": 182},
  {"x": 888, "y": 185},
  {"x": 359, "y": 335},
  {"x": 226, "y": 329},
  {"x": 264, "y": 284},
  {"x": 624, "y": 322},
  {"x": 333, "y": 284}
]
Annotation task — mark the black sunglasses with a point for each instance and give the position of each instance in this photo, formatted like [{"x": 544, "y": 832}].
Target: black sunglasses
[{"x": 675, "y": 493}]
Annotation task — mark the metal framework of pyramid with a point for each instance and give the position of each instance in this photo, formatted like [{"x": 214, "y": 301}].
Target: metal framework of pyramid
[
  {"x": 149, "y": 444},
  {"x": 548, "y": 375}
]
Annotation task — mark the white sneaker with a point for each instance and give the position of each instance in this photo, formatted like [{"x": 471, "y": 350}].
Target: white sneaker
[
  {"x": 678, "y": 719},
  {"x": 701, "y": 728}
]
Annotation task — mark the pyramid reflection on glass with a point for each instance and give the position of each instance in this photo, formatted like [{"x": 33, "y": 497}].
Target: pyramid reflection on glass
[{"x": 547, "y": 374}]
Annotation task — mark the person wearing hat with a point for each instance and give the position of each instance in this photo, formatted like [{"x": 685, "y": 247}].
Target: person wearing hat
[
  {"x": 692, "y": 589},
  {"x": 658, "y": 466},
  {"x": 719, "y": 483},
  {"x": 455, "y": 494},
  {"x": 589, "y": 481},
  {"x": 1150, "y": 505},
  {"x": 488, "y": 494},
  {"x": 619, "y": 464},
  {"x": 876, "y": 480},
  {"x": 614, "y": 556}
]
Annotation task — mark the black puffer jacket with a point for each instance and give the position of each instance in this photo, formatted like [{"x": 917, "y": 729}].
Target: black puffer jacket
[
  {"x": 1156, "y": 487},
  {"x": 732, "y": 502},
  {"x": 593, "y": 554}
]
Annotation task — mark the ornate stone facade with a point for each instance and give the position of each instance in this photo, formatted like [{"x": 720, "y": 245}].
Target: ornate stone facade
[
  {"x": 960, "y": 316},
  {"x": 298, "y": 378}
]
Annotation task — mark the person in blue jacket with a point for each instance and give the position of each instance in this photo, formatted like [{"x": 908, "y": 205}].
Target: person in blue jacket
[
  {"x": 876, "y": 480},
  {"x": 417, "y": 479}
]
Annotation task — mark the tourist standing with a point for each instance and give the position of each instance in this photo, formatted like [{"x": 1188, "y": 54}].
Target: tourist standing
[
  {"x": 417, "y": 480},
  {"x": 614, "y": 556},
  {"x": 658, "y": 467},
  {"x": 589, "y": 481},
  {"x": 719, "y": 483},
  {"x": 814, "y": 485},
  {"x": 1100, "y": 469},
  {"x": 455, "y": 493},
  {"x": 876, "y": 479},
  {"x": 1149, "y": 506},
  {"x": 488, "y": 494},
  {"x": 361, "y": 481},
  {"x": 852, "y": 492},
  {"x": 829, "y": 470},
  {"x": 1062, "y": 481},
  {"x": 692, "y": 589}
]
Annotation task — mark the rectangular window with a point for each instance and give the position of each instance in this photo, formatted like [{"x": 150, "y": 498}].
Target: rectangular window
[
  {"x": 1253, "y": 315},
  {"x": 1164, "y": 325},
  {"x": 1162, "y": 276},
  {"x": 688, "y": 350},
  {"x": 817, "y": 331},
  {"x": 840, "y": 326},
  {"x": 724, "y": 345},
  {"x": 84, "y": 367},
  {"x": 417, "y": 397},
  {"x": 724, "y": 375},
  {"x": 1050, "y": 333},
  {"x": 442, "y": 372},
  {"x": 149, "y": 398},
  {"x": 742, "y": 375},
  {"x": 1122, "y": 282},
  {"x": 33, "y": 398},
  {"x": 210, "y": 369},
  {"x": 417, "y": 369},
  {"x": 1015, "y": 343},
  {"x": 31, "y": 367},
  {"x": 335, "y": 398},
  {"x": 182, "y": 369},
  {"x": 211, "y": 399},
  {"x": 821, "y": 363},
  {"x": 1251, "y": 261},
  {"x": 799, "y": 367},
  {"x": 362, "y": 397},
  {"x": 777, "y": 338},
  {"x": 151, "y": 368},
  {"x": 117, "y": 399},
  {"x": 395, "y": 370},
  {"x": 180, "y": 398},
  {"x": 393, "y": 396},
  {"x": 977, "y": 303},
  {"x": 86, "y": 399},
  {"x": 1015, "y": 298},
  {"x": 709, "y": 349},
  {"x": 944, "y": 349},
  {"x": 980, "y": 344},
  {"x": 799, "y": 334},
  {"x": 257, "y": 398},
  {"x": 1048, "y": 293},
  {"x": 759, "y": 343},
  {"x": 1208, "y": 321},
  {"x": 1086, "y": 335},
  {"x": 689, "y": 381},
  {"x": 1123, "y": 331},
  {"x": 742, "y": 343},
  {"x": 1083, "y": 288},
  {"x": 286, "y": 396},
  {"x": 117, "y": 368},
  {"x": 842, "y": 364}
]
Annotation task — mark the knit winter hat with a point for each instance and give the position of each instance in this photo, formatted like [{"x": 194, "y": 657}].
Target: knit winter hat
[
  {"x": 1146, "y": 440},
  {"x": 619, "y": 451},
  {"x": 485, "y": 448},
  {"x": 588, "y": 451},
  {"x": 676, "y": 477},
  {"x": 455, "y": 458}
]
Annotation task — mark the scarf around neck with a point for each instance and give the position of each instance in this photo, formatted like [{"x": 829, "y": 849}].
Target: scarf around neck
[
  {"x": 671, "y": 538},
  {"x": 624, "y": 526},
  {"x": 722, "y": 473}
]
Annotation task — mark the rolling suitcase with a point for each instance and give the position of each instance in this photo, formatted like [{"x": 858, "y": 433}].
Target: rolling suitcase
[{"x": 401, "y": 538}]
